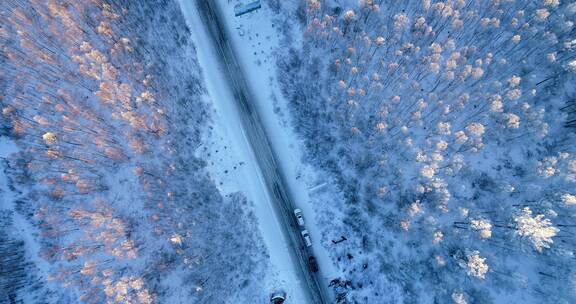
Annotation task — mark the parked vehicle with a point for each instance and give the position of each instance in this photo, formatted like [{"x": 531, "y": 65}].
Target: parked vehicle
[
  {"x": 306, "y": 237},
  {"x": 312, "y": 264},
  {"x": 278, "y": 297},
  {"x": 299, "y": 218}
]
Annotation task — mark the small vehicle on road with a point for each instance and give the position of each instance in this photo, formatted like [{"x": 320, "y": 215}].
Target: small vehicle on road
[
  {"x": 306, "y": 237},
  {"x": 278, "y": 297},
  {"x": 299, "y": 217},
  {"x": 312, "y": 264}
]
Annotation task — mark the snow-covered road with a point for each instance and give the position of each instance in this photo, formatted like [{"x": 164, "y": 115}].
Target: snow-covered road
[{"x": 271, "y": 174}]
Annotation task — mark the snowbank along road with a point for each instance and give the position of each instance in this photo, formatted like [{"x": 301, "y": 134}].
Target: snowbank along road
[{"x": 275, "y": 182}]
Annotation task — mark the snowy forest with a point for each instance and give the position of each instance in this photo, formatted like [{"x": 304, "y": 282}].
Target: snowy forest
[
  {"x": 432, "y": 145},
  {"x": 105, "y": 200},
  {"x": 448, "y": 131}
]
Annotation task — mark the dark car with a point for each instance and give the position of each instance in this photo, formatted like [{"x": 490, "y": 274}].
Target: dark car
[{"x": 312, "y": 264}]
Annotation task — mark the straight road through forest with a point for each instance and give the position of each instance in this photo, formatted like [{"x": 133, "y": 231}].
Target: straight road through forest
[{"x": 267, "y": 160}]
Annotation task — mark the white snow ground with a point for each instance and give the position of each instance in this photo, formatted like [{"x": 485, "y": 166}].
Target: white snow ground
[
  {"x": 254, "y": 39},
  {"x": 232, "y": 163}
]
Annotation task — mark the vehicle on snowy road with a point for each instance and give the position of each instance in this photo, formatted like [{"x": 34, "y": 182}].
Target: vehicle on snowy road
[
  {"x": 278, "y": 297},
  {"x": 312, "y": 264},
  {"x": 299, "y": 217},
  {"x": 306, "y": 237}
]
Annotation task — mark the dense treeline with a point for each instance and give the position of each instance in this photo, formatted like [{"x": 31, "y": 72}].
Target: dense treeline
[
  {"x": 16, "y": 277},
  {"x": 448, "y": 127},
  {"x": 106, "y": 103}
]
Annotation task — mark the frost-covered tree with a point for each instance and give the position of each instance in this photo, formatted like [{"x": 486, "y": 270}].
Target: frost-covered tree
[
  {"x": 569, "y": 199},
  {"x": 538, "y": 229},
  {"x": 459, "y": 298},
  {"x": 476, "y": 265},
  {"x": 483, "y": 227}
]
